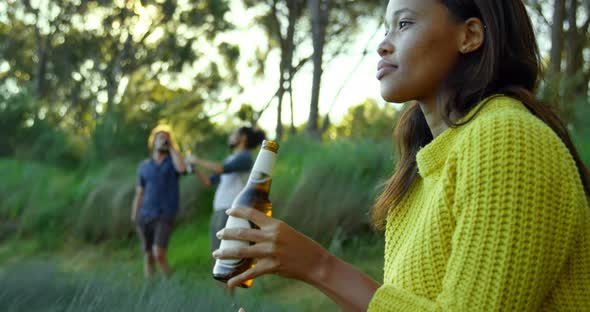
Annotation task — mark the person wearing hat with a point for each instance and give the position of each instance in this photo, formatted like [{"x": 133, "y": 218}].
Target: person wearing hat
[{"x": 156, "y": 198}]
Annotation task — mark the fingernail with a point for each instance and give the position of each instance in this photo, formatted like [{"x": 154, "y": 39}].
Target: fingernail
[
  {"x": 215, "y": 253},
  {"x": 219, "y": 234},
  {"x": 229, "y": 211}
]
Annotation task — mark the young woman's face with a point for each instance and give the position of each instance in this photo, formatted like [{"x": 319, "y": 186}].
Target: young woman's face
[{"x": 419, "y": 50}]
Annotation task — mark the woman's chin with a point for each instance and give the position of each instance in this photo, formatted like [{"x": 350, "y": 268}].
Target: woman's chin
[{"x": 392, "y": 95}]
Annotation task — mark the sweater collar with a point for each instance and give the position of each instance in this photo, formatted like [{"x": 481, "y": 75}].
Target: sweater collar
[{"x": 433, "y": 156}]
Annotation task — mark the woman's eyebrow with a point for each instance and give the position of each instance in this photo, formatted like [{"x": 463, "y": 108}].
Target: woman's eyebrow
[
  {"x": 399, "y": 12},
  {"x": 404, "y": 10}
]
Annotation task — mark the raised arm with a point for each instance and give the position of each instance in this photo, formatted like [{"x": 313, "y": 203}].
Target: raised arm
[
  {"x": 215, "y": 167},
  {"x": 177, "y": 160},
  {"x": 241, "y": 162}
]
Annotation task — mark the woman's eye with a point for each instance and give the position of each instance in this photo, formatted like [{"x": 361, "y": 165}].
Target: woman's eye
[{"x": 404, "y": 24}]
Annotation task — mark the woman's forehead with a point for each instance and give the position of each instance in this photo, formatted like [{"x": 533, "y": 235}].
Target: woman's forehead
[{"x": 397, "y": 7}]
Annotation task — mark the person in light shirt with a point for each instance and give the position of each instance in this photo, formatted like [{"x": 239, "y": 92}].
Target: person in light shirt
[{"x": 230, "y": 176}]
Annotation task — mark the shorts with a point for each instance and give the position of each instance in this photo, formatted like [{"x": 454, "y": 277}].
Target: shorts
[
  {"x": 154, "y": 232},
  {"x": 218, "y": 220}
]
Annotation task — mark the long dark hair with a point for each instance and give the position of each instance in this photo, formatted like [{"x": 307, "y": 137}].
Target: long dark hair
[{"x": 508, "y": 63}]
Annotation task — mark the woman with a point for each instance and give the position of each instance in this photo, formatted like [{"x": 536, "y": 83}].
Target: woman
[
  {"x": 230, "y": 176},
  {"x": 488, "y": 207}
]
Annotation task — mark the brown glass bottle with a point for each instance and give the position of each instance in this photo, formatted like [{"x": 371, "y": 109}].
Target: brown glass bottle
[{"x": 254, "y": 195}]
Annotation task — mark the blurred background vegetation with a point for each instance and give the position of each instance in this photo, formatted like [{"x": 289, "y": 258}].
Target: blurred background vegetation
[{"x": 83, "y": 82}]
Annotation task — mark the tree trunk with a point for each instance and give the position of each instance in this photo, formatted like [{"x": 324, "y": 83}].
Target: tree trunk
[
  {"x": 572, "y": 42},
  {"x": 293, "y": 130},
  {"x": 576, "y": 39},
  {"x": 279, "y": 129},
  {"x": 41, "y": 45},
  {"x": 557, "y": 38},
  {"x": 115, "y": 70},
  {"x": 318, "y": 10},
  {"x": 286, "y": 66}
]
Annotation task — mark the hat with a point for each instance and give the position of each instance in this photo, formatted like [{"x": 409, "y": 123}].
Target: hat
[{"x": 161, "y": 128}]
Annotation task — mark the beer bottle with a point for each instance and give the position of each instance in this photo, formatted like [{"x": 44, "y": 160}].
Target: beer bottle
[
  {"x": 188, "y": 164},
  {"x": 254, "y": 195}
]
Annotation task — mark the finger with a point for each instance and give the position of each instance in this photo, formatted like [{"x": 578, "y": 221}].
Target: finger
[
  {"x": 253, "y": 273},
  {"x": 254, "y": 251},
  {"x": 243, "y": 234},
  {"x": 242, "y": 310},
  {"x": 253, "y": 215}
]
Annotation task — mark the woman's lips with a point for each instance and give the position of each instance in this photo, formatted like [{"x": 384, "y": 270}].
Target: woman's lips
[{"x": 384, "y": 68}]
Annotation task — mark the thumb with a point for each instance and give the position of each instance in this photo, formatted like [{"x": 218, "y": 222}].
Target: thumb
[{"x": 242, "y": 310}]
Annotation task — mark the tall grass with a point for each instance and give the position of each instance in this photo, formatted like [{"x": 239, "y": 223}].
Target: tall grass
[
  {"x": 322, "y": 189},
  {"x": 326, "y": 190},
  {"x": 44, "y": 287}
]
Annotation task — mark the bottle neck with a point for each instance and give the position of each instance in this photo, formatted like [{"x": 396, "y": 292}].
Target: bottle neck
[{"x": 263, "y": 168}]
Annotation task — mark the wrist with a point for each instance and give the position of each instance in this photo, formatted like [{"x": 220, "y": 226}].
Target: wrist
[{"x": 325, "y": 265}]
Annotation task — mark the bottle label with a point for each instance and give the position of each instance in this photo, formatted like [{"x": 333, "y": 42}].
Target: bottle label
[
  {"x": 232, "y": 223},
  {"x": 263, "y": 167}
]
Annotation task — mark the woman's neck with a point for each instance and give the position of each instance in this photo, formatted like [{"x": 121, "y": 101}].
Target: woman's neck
[{"x": 433, "y": 116}]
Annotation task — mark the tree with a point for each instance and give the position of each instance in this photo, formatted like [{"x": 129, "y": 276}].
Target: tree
[
  {"x": 279, "y": 20},
  {"x": 568, "y": 73},
  {"x": 557, "y": 37},
  {"x": 282, "y": 21},
  {"x": 339, "y": 21},
  {"x": 83, "y": 62},
  {"x": 318, "y": 11}
]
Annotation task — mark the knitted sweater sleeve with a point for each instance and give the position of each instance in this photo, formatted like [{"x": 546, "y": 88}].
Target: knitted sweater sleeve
[{"x": 515, "y": 221}]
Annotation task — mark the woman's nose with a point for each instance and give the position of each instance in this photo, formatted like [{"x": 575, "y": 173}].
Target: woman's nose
[{"x": 385, "y": 48}]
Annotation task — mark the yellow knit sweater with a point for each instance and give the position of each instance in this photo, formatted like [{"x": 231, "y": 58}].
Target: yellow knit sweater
[{"x": 496, "y": 220}]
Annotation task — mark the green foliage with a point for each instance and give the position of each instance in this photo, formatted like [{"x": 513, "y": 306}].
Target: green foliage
[
  {"x": 104, "y": 85},
  {"x": 366, "y": 120},
  {"x": 246, "y": 114},
  {"x": 28, "y": 135},
  {"x": 580, "y": 127},
  {"x": 92, "y": 205}
]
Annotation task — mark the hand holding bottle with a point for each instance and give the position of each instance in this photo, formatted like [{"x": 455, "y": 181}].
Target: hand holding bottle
[{"x": 278, "y": 248}]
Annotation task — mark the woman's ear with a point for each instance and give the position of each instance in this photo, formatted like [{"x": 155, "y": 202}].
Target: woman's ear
[{"x": 472, "y": 35}]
